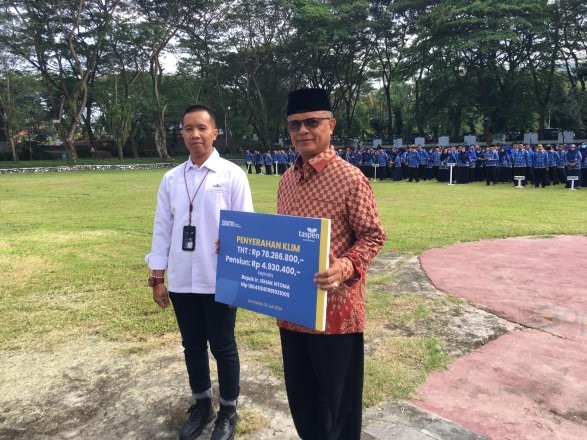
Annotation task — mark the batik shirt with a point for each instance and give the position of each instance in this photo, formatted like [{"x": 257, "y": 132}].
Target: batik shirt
[{"x": 326, "y": 186}]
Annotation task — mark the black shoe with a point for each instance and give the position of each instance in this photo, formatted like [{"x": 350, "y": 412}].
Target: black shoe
[
  {"x": 225, "y": 423},
  {"x": 200, "y": 415}
]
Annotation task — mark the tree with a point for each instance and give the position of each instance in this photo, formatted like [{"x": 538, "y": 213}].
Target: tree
[
  {"x": 332, "y": 49},
  {"x": 393, "y": 26},
  {"x": 165, "y": 18},
  {"x": 479, "y": 49},
  {"x": 256, "y": 77},
  {"x": 61, "y": 41}
]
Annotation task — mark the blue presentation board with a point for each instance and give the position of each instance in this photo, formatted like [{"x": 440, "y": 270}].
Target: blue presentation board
[{"x": 267, "y": 262}]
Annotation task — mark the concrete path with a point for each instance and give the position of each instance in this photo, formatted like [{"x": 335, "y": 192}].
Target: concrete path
[{"x": 528, "y": 384}]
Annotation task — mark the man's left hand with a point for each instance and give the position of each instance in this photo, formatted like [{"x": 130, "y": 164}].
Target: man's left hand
[{"x": 331, "y": 278}]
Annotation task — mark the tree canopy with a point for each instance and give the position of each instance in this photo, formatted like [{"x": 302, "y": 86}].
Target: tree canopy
[{"x": 123, "y": 70}]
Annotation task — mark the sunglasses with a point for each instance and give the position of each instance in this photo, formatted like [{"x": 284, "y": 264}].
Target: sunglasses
[{"x": 309, "y": 123}]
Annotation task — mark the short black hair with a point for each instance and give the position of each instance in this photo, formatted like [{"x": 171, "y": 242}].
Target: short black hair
[{"x": 199, "y": 108}]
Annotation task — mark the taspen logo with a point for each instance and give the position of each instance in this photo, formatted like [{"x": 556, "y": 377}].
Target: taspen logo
[{"x": 310, "y": 233}]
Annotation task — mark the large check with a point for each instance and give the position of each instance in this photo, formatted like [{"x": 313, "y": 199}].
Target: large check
[{"x": 267, "y": 262}]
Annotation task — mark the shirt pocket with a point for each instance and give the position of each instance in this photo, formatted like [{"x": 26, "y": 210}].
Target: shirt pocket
[
  {"x": 326, "y": 207},
  {"x": 219, "y": 195}
]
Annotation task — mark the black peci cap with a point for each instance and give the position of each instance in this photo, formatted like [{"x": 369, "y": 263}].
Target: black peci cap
[{"x": 307, "y": 100}]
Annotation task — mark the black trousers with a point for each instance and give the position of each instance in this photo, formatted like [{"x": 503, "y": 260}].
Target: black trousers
[
  {"x": 519, "y": 171},
  {"x": 490, "y": 175},
  {"x": 324, "y": 384},
  {"x": 414, "y": 173},
  {"x": 201, "y": 319},
  {"x": 540, "y": 177}
]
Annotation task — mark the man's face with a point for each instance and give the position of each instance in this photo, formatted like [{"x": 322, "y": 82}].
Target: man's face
[
  {"x": 199, "y": 133},
  {"x": 310, "y": 142}
]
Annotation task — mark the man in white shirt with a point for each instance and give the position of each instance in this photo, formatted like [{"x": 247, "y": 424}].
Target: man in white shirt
[{"x": 185, "y": 232}]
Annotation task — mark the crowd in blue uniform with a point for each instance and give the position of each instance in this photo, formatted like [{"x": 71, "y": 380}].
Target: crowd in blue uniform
[
  {"x": 268, "y": 163},
  {"x": 539, "y": 165},
  {"x": 518, "y": 163}
]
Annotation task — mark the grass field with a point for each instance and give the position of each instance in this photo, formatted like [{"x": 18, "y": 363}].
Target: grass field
[{"x": 72, "y": 252}]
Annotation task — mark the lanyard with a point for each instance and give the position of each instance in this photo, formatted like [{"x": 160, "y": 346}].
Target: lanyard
[{"x": 191, "y": 199}]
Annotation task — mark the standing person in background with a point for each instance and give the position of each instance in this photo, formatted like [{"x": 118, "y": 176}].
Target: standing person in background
[
  {"x": 479, "y": 171},
  {"x": 423, "y": 156},
  {"x": 249, "y": 161},
  {"x": 435, "y": 162},
  {"x": 185, "y": 231},
  {"x": 268, "y": 160},
  {"x": 490, "y": 165},
  {"x": 462, "y": 168},
  {"x": 258, "y": 162},
  {"x": 573, "y": 164},
  {"x": 561, "y": 165},
  {"x": 540, "y": 164},
  {"x": 504, "y": 166},
  {"x": 324, "y": 370},
  {"x": 413, "y": 164},
  {"x": 382, "y": 161},
  {"x": 552, "y": 164},
  {"x": 472, "y": 163},
  {"x": 529, "y": 163},
  {"x": 519, "y": 160}
]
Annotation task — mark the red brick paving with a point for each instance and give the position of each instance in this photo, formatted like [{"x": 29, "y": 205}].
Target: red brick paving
[{"x": 527, "y": 384}]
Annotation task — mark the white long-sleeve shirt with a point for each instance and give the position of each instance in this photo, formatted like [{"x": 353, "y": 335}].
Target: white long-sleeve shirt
[{"x": 224, "y": 185}]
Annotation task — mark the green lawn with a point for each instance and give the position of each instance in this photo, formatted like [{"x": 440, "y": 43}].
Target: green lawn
[{"x": 72, "y": 252}]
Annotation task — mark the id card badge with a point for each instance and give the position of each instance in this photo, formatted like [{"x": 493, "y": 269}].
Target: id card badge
[{"x": 188, "y": 242}]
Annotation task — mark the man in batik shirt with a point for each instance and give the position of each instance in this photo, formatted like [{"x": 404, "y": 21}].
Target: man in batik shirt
[{"x": 324, "y": 370}]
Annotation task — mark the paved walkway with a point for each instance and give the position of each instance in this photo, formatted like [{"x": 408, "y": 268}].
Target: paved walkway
[{"x": 528, "y": 384}]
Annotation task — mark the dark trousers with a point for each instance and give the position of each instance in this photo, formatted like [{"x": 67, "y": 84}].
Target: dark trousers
[
  {"x": 201, "y": 319},
  {"x": 324, "y": 384},
  {"x": 519, "y": 171},
  {"x": 540, "y": 177},
  {"x": 490, "y": 175},
  {"x": 462, "y": 174},
  {"x": 413, "y": 173}
]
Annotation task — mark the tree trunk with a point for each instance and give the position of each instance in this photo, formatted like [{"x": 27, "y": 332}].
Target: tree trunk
[
  {"x": 133, "y": 146},
  {"x": 12, "y": 143},
  {"x": 160, "y": 134},
  {"x": 70, "y": 148}
]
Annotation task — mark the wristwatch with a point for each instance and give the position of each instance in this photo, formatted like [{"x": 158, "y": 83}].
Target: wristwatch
[{"x": 153, "y": 281}]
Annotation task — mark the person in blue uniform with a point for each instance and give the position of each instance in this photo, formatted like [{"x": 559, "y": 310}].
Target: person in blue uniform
[
  {"x": 519, "y": 160},
  {"x": 573, "y": 165},
  {"x": 491, "y": 158},
  {"x": 472, "y": 162},
  {"x": 413, "y": 164},
  {"x": 281, "y": 162},
  {"x": 540, "y": 165},
  {"x": 249, "y": 161},
  {"x": 462, "y": 168},
  {"x": 397, "y": 160},
  {"x": 423, "y": 157},
  {"x": 529, "y": 162},
  {"x": 382, "y": 160},
  {"x": 258, "y": 162},
  {"x": 561, "y": 164},
  {"x": 268, "y": 161},
  {"x": 504, "y": 166},
  {"x": 552, "y": 162},
  {"x": 479, "y": 170}
]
